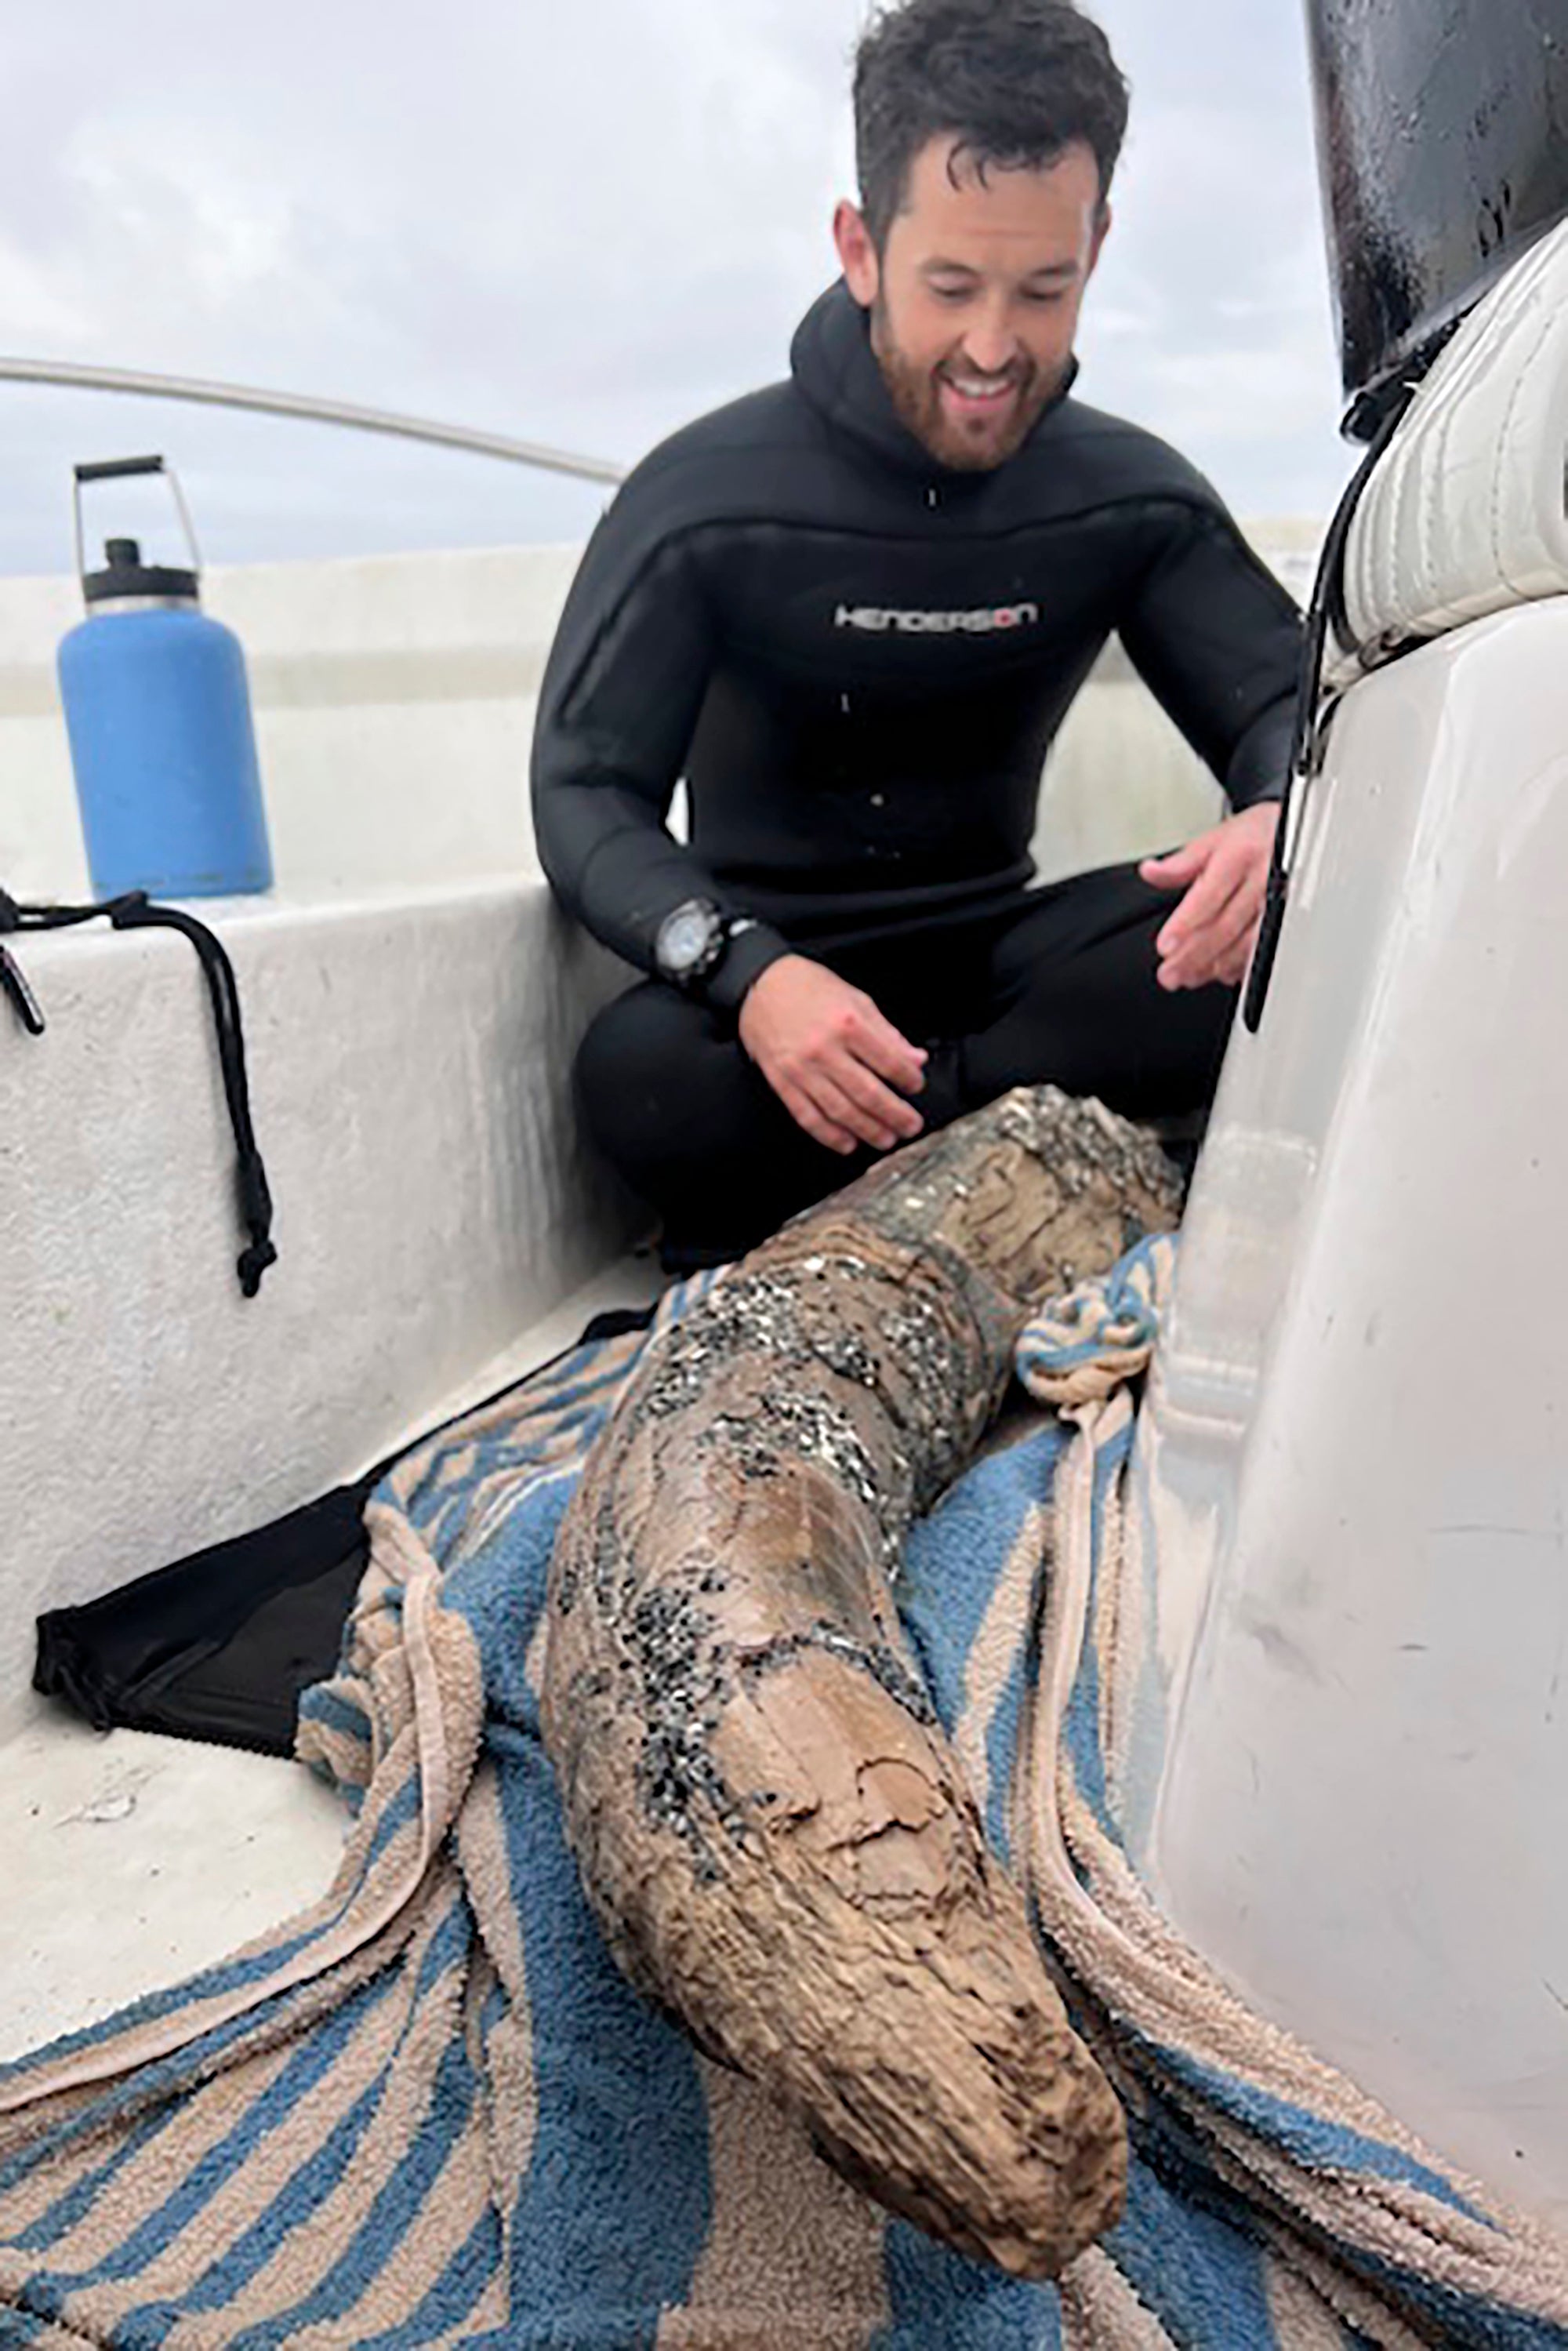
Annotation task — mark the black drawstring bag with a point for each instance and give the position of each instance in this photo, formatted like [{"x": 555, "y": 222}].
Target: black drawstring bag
[
  {"x": 220, "y": 1646},
  {"x": 135, "y": 910}
]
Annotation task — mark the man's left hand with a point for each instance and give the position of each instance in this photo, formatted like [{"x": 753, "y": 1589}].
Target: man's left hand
[{"x": 1222, "y": 875}]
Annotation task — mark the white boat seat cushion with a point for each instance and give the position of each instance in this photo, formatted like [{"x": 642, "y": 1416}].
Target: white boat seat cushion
[{"x": 1464, "y": 515}]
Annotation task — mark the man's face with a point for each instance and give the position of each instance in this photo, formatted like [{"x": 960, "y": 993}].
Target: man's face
[{"x": 973, "y": 302}]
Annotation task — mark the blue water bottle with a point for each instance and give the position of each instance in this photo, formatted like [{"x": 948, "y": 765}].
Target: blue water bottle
[{"x": 158, "y": 712}]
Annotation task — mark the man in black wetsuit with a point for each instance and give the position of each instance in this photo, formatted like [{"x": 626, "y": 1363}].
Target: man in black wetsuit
[{"x": 851, "y": 611}]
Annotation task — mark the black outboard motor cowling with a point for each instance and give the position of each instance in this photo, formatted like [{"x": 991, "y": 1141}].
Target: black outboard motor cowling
[{"x": 1443, "y": 150}]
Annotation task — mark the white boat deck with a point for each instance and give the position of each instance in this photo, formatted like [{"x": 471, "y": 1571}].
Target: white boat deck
[{"x": 130, "y": 1860}]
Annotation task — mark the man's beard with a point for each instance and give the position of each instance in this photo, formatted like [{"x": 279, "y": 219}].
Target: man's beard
[{"x": 916, "y": 396}]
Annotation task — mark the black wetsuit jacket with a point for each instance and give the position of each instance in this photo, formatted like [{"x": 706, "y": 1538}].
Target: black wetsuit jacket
[{"x": 858, "y": 657}]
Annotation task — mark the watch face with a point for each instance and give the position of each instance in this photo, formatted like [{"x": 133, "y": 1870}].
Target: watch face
[{"x": 686, "y": 939}]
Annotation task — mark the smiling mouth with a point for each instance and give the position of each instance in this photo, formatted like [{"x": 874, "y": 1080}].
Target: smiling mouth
[{"x": 978, "y": 396}]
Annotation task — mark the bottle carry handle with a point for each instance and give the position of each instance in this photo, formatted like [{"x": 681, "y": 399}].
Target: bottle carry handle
[{"x": 114, "y": 469}]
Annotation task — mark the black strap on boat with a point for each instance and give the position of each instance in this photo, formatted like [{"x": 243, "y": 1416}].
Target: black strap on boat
[
  {"x": 1326, "y": 611},
  {"x": 134, "y": 911}
]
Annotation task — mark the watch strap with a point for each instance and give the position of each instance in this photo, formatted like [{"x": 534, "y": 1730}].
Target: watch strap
[{"x": 750, "y": 947}]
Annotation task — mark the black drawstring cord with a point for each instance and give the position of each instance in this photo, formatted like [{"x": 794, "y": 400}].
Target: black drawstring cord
[
  {"x": 14, "y": 981},
  {"x": 133, "y": 912},
  {"x": 1326, "y": 609}
]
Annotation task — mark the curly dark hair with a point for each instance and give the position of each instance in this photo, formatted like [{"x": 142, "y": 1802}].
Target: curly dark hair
[{"x": 1012, "y": 81}]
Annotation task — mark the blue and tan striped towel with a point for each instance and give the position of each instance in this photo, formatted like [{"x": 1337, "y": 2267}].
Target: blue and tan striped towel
[{"x": 428, "y": 2110}]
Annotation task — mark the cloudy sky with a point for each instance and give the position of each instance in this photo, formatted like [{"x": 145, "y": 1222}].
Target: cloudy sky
[{"x": 577, "y": 220}]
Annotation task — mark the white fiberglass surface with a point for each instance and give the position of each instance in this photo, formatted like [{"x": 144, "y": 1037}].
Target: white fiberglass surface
[
  {"x": 130, "y": 1860},
  {"x": 409, "y": 1081},
  {"x": 1351, "y": 1753}
]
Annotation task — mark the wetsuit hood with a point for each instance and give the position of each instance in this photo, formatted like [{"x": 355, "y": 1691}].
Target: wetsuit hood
[{"x": 834, "y": 366}]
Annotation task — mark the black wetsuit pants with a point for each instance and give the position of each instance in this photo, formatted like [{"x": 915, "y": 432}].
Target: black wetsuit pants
[{"x": 1059, "y": 986}]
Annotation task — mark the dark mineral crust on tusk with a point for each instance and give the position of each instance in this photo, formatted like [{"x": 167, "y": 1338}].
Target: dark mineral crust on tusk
[{"x": 772, "y": 1829}]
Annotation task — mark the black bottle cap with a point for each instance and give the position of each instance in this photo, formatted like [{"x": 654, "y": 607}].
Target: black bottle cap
[{"x": 127, "y": 575}]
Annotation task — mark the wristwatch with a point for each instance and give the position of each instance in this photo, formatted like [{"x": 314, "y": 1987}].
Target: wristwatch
[{"x": 690, "y": 940}]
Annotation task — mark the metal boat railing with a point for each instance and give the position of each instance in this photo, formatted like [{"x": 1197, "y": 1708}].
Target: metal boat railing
[{"x": 75, "y": 377}]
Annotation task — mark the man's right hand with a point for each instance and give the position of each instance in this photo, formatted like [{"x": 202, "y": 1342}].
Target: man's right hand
[{"x": 840, "y": 1068}]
